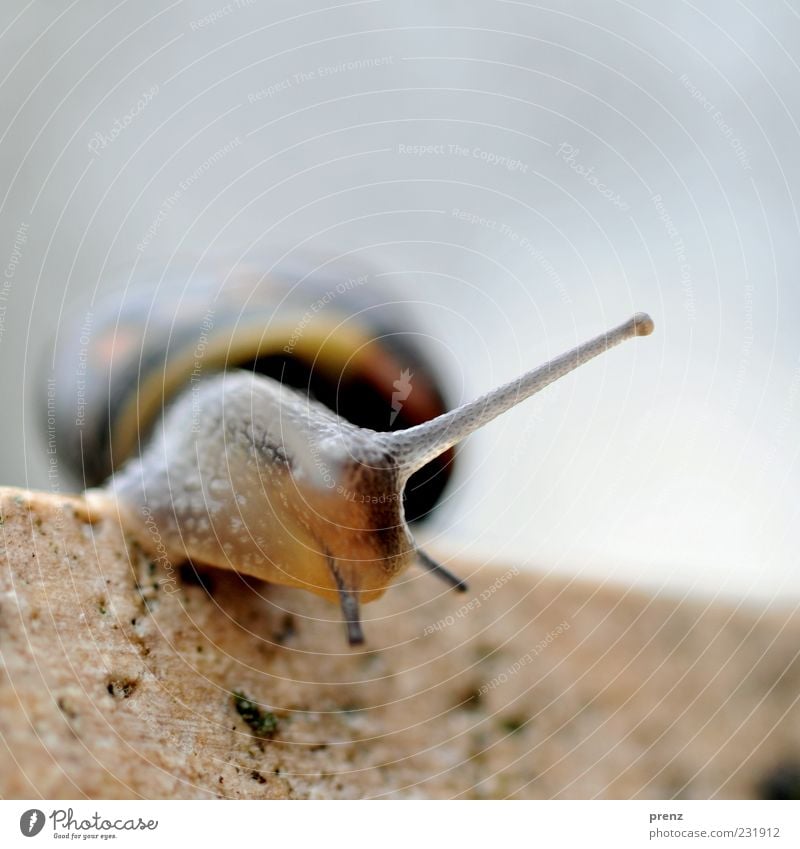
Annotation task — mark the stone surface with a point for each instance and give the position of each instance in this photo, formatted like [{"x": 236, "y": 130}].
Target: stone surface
[{"x": 119, "y": 672}]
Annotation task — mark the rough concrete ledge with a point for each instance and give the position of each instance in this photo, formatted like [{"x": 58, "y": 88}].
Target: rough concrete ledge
[{"x": 120, "y": 676}]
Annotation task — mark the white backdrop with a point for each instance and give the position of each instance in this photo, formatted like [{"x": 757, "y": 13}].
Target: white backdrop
[{"x": 579, "y": 161}]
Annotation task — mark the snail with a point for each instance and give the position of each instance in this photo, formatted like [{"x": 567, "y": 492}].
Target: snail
[{"x": 190, "y": 423}]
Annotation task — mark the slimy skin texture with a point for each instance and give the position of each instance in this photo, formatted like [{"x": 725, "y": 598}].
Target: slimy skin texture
[{"x": 245, "y": 473}]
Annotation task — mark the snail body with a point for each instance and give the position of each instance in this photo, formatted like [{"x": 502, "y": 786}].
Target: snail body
[
  {"x": 282, "y": 502},
  {"x": 246, "y": 473}
]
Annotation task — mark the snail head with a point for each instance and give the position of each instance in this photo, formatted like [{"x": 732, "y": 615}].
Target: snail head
[{"x": 357, "y": 477}]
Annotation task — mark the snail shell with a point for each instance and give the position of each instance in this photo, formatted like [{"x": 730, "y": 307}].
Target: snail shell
[{"x": 338, "y": 336}]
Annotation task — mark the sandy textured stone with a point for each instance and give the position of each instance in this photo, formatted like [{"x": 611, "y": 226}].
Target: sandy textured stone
[{"x": 118, "y": 673}]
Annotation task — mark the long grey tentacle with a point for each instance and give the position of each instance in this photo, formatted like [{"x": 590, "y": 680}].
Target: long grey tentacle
[{"x": 416, "y": 446}]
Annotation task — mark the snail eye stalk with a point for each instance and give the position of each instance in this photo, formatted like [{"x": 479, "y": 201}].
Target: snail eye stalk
[{"x": 416, "y": 446}]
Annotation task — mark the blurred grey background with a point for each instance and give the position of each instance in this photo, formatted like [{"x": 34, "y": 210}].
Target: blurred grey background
[{"x": 525, "y": 175}]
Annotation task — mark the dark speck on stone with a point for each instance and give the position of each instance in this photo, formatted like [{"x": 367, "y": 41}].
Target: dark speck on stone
[{"x": 262, "y": 722}]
